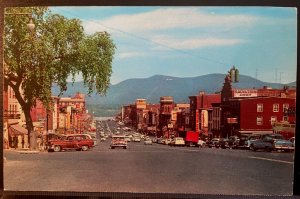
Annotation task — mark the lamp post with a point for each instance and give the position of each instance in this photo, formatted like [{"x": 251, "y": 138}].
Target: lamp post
[{"x": 30, "y": 25}]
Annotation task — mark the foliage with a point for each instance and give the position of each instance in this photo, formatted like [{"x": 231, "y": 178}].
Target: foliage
[{"x": 56, "y": 49}]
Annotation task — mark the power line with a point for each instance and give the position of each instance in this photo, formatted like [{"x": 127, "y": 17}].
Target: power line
[{"x": 149, "y": 40}]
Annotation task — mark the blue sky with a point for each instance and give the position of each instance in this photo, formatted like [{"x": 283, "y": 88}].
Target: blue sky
[{"x": 192, "y": 41}]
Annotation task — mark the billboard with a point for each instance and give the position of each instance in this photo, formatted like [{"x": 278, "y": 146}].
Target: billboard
[{"x": 245, "y": 93}]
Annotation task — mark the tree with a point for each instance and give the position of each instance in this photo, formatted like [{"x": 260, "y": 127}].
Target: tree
[{"x": 56, "y": 49}]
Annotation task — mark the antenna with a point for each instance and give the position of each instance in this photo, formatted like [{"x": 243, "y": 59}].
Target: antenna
[
  {"x": 280, "y": 77},
  {"x": 275, "y": 75}
]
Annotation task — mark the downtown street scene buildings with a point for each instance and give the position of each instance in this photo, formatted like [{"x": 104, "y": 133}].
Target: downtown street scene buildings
[
  {"x": 231, "y": 112},
  {"x": 68, "y": 115}
]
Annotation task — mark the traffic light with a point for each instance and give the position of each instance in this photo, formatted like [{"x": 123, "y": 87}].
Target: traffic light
[{"x": 234, "y": 74}]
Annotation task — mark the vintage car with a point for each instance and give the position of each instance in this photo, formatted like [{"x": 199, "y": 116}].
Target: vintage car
[
  {"x": 283, "y": 145},
  {"x": 74, "y": 141},
  {"x": 118, "y": 141},
  {"x": 178, "y": 141},
  {"x": 148, "y": 141}
]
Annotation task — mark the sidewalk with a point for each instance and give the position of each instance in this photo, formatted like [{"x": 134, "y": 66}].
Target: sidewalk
[{"x": 25, "y": 150}]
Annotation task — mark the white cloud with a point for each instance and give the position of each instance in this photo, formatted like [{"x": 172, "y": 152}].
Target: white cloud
[
  {"x": 168, "y": 18},
  {"x": 129, "y": 55},
  {"x": 196, "y": 43}
]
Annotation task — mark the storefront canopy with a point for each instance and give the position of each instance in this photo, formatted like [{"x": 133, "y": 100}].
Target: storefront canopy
[
  {"x": 17, "y": 130},
  {"x": 255, "y": 132}
]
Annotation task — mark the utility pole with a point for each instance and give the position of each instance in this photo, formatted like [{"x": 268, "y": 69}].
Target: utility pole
[{"x": 280, "y": 77}]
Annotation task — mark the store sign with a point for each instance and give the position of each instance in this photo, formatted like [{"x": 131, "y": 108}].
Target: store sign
[
  {"x": 232, "y": 120},
  {"x": 245, "y": 93}
]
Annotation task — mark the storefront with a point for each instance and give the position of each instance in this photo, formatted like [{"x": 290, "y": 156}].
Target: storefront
[{"x": 17, "y": 136}]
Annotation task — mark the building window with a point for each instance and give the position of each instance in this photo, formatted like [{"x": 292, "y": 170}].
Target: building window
[
  {"x": 260, "y": 108},
  {"x": 273, "y": 120},
  {"x": 259, "y": 120},
  {"x": 285, "y": 107},
  {"x": 285, "y": 118},
  {"x": 275, "y": 107}
]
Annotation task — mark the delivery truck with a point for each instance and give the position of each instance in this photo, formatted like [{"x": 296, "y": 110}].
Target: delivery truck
[{"x": 190, "y": 137}]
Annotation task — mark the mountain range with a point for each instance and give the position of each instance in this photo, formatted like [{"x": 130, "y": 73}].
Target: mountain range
[{"x": 152, "y": 88}]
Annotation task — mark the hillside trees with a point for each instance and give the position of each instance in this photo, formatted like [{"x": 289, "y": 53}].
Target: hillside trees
[{"x": 57, "y": 49}]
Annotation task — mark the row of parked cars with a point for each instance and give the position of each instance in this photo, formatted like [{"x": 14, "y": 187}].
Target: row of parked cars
[{"x": 267, "y": 142}]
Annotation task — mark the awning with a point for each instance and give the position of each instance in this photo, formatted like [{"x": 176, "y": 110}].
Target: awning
[
  {"x": 17, "y": 130},
  {"x": 255, "y": 132}
]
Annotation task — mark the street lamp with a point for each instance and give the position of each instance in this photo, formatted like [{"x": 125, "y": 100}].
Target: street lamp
[{"x": 30, "y": 25}]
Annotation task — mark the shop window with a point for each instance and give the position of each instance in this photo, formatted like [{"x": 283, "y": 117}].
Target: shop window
[
  {"x": 260, "y": 108},
  {"x": 273, "y": 120},
  {"x": 285, "y": 107},
  {"x": 259, "y": 120},
  {"x": 275, "y": 107}
]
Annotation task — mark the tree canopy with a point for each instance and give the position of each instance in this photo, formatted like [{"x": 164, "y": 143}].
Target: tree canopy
[{"x": 57, "y": 48}]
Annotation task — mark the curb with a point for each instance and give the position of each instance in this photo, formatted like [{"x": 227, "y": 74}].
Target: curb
[{"x": 28, "y": 152}]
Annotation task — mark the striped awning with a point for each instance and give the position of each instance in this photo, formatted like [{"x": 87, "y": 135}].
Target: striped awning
[{"x": 17, "y": 130}]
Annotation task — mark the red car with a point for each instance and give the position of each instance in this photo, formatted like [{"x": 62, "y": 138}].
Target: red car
[{"x": 78, "y": 142}]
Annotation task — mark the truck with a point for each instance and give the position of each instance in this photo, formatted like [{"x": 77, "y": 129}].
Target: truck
[{"x": 190, "y": 137}]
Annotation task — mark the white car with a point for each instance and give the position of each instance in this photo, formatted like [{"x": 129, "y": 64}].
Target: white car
[
  {"x": 148, "y": 141},
  {"x": 136, "y": 139},
  {"x": 178, "y": 141},
  {"x": 201, "y": 143}
]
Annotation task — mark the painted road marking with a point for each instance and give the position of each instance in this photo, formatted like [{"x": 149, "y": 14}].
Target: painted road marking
[{"x": 273, "y": 160}]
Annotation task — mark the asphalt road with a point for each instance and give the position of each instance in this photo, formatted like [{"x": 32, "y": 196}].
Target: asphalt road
[{"x": 151, "y": 169}]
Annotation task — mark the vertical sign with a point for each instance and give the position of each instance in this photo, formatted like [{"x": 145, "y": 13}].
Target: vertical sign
[{"x": 197, "y": 121}]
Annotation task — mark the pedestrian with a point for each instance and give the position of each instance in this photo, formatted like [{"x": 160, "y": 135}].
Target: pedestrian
[
  {"x": 23, "y": 142},
  {"x": 15, "y": 141}
]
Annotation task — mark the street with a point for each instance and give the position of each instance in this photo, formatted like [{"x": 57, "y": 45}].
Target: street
[{"x": 152, "y": 168}]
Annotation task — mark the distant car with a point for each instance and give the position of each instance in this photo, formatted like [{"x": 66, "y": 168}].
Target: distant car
[
  {"x": 214, "y": 143},
  {"x": 128, "y": 138},
  {"x": 102, "y": 139},
  {"x": 201, "y": 143},
  {"x": 154, "y": 140},
  {"x": 118, "y": 141},
  {"x": 136, "y": 138},
  {"x": 166, "y": 141},
  {"x": 223, "y": 143},
  {"x": 148, "y": 141},
  {"x": 178, "y": 141},
  {"x": 284, "y": 145},
  {"x": 160, "y": 140}
]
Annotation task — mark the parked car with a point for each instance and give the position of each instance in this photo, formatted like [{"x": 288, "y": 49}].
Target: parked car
[
  {"x": 225, "y": 143},
  {"x": 265, "y": 142},
  {"x": 77, "y": 142},
  {"x": 214, "y": 143},
  {"x": 148, "y": 141},
  {"x": 284, "y": 145},
  {"x": 160, "y": 140},
  {"x": 166, "y": 141},
  {"x": 118, "y": 141},
  {"x": 178, "y": 141},
  {"x": 292, "y": 139},
  {"x": 154, "y": 140},
  {"x": 201, "y": 143},
  {"x": 136, "y": 138}
]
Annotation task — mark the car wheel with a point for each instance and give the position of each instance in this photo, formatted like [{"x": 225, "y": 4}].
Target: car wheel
[
  {"x": 269, "y": 149},
  {"x": 252, "y": 148},
  {"x": 112, "y": 147},
  {"x": 57, "y": 148},
  {"x": 125, "y": 147},
  {"x": 84, "y": 148}
]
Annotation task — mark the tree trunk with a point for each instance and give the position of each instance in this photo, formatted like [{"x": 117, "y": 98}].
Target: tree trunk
[{"x": 31, "y": 133}]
